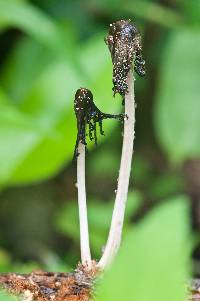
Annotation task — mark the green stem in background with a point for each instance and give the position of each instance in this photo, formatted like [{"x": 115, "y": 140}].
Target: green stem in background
[
  {"x": 82, "y": 205},
  {"x": 114, "y": 238}
]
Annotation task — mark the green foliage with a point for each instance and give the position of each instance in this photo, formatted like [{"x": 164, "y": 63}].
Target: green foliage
[
  {"x": 98, "y": 223},
  {"x": 6, "y": 297},
  {"x": 4, "y": 261},
  {"x": 167, "y": 184},
  {"x": 192, "y": 11},
  {"x": 177, "y": 109},
  {"x": 58, "y": 47},
  {"x": 14, "y": 127},
  {"x": 148, "y": 10},
  {"x": 41, "y": 74},
  {"x": 45, "y": 96},
  {"x": 29, "y": 19},
  {"x": 150, "y": 266}
]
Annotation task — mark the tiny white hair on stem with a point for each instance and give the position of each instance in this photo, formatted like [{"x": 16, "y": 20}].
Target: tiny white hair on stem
[
  {"x": 115, "y": 233},
  {"x": 82, "y": 206}
]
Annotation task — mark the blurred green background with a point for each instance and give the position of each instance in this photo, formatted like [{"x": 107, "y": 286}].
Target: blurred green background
[{"x": 50, "y": 48}]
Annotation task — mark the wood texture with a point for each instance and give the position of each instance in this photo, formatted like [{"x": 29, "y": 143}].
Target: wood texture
[{"x": 47, "y": 286}]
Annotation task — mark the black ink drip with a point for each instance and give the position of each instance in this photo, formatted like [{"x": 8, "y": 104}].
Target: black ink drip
[
  {"x": 87, "y": 113},
  {"x": 124, "y": 43}
]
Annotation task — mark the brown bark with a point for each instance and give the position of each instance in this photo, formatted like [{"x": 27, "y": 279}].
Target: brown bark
[
  {"x": 193, "y": 290},
  {"x": 47, "y": 286}
]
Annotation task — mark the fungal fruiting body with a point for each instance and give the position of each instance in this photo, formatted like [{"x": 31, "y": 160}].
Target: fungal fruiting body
[
  {"x": 124, "y": 43},
  {"x": 87, "y": 113}
]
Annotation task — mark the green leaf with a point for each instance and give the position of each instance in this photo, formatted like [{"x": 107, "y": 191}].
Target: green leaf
[
  {"x": 192, "y": 10},
  {"x": 17, "y": 136},
  {"x": 3, "y": 98},
  {"x": 177, "y": 108},
  {"x": 36, "y": 81},
  {"x": 45, "y": 96},
  {"x": 149, "y": 10},
  {"x": 25, "y": 145},
  {"x": 23, "y": 66},
  {"x": 6, "y": 297},
  {"x": 44, "y": 158},
  {"x": 98, "y": 73},
  {"x": 5, "y": 261},
  {"x": 49, "y": 102},
  {"x": 152, "y": 264},
  {"x": 32, "y": 21}
]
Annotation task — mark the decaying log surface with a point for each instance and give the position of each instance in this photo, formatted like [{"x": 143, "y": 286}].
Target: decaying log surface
[
  {"x": 193, "y": 288},
  {"x": 48, "y": 286},
  {"x": 75, "y": 286}
]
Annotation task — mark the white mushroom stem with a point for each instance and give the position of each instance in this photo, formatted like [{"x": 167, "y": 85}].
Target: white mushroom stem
[
  {"x": 82, "y": 205},
  {"x": 114, "y": 238}
]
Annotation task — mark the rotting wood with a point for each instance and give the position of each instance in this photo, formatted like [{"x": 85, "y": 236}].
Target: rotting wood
[
  {"x": 193, "y": 290},
  {"x": 49, "y": 286}
]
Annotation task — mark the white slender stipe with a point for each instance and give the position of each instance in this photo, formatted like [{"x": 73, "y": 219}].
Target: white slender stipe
[
  {"x": 82, "y": 205},
  {"x": 114, "y": 238}
]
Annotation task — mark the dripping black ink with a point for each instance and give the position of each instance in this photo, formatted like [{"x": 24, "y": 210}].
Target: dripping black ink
[
  {"x": 124, "y": 43},
  {"x": 87, "y": 114}
]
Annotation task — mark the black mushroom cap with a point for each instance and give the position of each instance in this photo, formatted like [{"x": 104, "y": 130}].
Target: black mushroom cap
[
  {"x": 87, "y": 114},
  {"x": 124, "y": 43}
]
